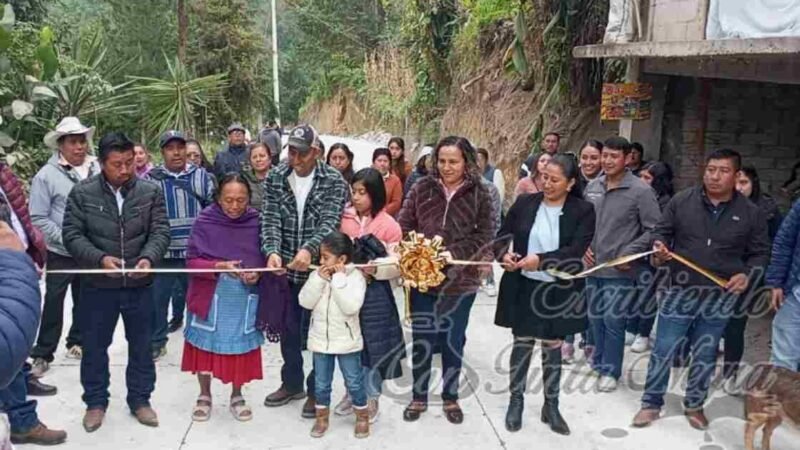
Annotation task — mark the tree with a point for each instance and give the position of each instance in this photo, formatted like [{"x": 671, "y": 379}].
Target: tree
[
  {"x": 183, "y": 25},
  {"x": 226, "y": 39}
]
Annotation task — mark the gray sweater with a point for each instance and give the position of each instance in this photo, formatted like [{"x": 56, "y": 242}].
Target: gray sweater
[
  {"x": 623, "y": 215},
  {"x": 48, "y": 199}
]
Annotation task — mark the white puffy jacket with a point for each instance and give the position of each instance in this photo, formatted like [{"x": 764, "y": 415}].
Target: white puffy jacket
[{"x": 335, "y": 305}]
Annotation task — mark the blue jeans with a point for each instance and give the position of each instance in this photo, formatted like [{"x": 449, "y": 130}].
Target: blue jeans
[
  {"x": 14, "y": 402},
  {"x": 704, "y": 319},
  {"x": 98, "y": 320},
  {"x": 609, "y": 302},
  {"x": 786, "y": 334},
  {"x": 350, "y": 365},
  {"x": 373, "y": 382},
  {"x": 165, "y": 287},
  {"x": 447, "y": 331}
]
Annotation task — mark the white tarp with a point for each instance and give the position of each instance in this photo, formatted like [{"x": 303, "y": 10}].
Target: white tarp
[
  {"x": 753, "y": 19},
  {"x": 620, "y": 28}
]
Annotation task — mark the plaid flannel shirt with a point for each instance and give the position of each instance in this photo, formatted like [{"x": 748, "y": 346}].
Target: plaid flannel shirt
[{"x": 282, "y": 232}]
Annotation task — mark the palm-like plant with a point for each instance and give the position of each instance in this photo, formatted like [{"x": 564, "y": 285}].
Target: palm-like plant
[
  {"x": 176, "y": 103},
  {"x": 80, "y": 89}
]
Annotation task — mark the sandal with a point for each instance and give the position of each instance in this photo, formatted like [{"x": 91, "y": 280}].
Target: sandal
[
  {"x": 75, "y": 352},
  {"x": 240, "y": 410},
  {"x": 202, "y": 410},
  {"x": 414, "y": 410},
  {"x": 453, "y": 412}
]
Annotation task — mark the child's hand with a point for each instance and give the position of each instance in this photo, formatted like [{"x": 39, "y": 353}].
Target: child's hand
[{"x": 325, "y": 272}]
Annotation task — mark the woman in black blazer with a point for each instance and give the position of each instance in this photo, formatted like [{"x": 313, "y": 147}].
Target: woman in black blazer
[{"x": 550, "y": 230}]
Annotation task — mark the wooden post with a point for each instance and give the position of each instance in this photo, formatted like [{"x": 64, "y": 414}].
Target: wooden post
[
  {"x": 631, "y": 76},
  {"x": 704, "y": 98}
]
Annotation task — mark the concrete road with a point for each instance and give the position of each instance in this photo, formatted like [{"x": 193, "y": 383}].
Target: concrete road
[{"x": 598, "y": 421}]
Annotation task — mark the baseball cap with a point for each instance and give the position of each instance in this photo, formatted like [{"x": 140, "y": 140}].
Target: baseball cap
[
  {"x": 169, "y": 136},
  {"x": 303, "y": 137},
  {"x": 236, "y": 126}
]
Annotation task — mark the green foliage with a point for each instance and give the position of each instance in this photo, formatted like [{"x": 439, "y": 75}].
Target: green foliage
[
  {"x": 178, "y": 102},
  {"x": 225, "y": 39},
  {"x": 486, "y": 12}
]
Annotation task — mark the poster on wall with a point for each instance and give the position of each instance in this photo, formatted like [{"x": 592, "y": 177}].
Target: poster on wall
[{"x": 626, "y": 101}]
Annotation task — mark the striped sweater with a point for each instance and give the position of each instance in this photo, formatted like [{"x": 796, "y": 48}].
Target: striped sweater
[{"x": 182, "y": 207}]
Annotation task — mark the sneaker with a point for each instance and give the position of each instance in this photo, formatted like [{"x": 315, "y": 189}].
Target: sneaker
[
  {"x": 372, "y": 407},
  {"x": 629, "y": 338},
  {"x": 159, "y": 353},
  {"x": 39, "y": 367},
  {"x": 344, "y": 407},
  {"x": 75, "y": 352},
  {"x": 606, "y": 384},
  {"x": 640, "y": 345},
  {"x": 567, "y": 353},
  {"x": 490, "y": 289}
]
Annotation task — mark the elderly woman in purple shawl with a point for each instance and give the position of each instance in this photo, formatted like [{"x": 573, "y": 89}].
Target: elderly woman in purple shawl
[{"x": 227, "y": 311}]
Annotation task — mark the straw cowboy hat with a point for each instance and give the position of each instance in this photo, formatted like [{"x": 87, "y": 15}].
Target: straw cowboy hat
[{"x": 67, "y": 126}]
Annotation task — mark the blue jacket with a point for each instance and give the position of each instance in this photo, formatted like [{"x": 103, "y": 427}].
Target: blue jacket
[
  {"x": 20, "y": 308},
  {"x": 784, "y": 267}
]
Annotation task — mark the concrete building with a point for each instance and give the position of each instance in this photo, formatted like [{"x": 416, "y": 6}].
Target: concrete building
[{"x": 709, "y": 93}]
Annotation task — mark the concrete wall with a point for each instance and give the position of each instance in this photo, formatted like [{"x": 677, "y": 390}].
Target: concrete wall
[
  {"x": 759, "y": 120},
  {"x": 677, "y": 20}
]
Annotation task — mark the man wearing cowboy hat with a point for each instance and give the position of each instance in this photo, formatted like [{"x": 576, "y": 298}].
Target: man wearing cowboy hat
[
  {"x": 50, "y": 188},
  {"x": 234, "y": 156}
]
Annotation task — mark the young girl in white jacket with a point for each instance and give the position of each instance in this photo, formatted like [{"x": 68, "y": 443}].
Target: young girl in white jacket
[{"x": 335, "y": 293}]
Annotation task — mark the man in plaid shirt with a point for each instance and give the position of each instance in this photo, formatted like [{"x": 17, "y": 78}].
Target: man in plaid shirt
[{"x": 303, "y": 203}]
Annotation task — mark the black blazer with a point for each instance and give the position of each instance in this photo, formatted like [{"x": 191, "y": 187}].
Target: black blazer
[
  {"x": 518, "y": 308},
  {"x": 575, "y": 231}
]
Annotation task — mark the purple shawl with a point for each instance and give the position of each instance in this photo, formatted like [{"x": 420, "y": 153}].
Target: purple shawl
[{"x": 217, "y": 237}]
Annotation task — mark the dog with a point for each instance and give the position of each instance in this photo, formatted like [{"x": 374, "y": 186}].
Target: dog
[{"x": 772, "y": 396}]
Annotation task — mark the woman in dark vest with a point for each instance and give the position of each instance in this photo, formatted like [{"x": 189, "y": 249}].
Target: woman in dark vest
[{"x": 550, "y": 230}]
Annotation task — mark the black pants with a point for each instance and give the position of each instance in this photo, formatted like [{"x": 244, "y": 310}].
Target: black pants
[
  {"x": 292, "y": 345},
  {"x": 102, "y": 310},
  {"x": 56, "y": 286}
]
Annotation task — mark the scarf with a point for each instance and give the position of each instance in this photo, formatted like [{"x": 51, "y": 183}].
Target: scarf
[{"x": 217, "y": 237}]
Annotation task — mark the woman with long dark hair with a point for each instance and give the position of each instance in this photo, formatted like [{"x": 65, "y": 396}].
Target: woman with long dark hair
[
  {"x": 659, "y": 176},
  {"x": 533, "y": 183},
  {"x": 375, "y": 231},
  {"x": 341, "y": 158},
  {"x": 452, "y": 203},
  {"x": 399, "y": 166},
  {"x": 196, "y": 155},
  {"x": 550, "y": 230}
]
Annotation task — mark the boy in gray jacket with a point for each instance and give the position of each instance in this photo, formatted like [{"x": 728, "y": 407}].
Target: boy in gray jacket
[{"x": 626, "y": 208}]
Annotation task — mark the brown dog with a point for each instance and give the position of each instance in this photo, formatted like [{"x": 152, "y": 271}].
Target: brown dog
[{"x": 773, "y": 394}]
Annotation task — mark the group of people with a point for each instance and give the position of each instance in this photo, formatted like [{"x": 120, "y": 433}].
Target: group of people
[{"x": 302, "y": 251}]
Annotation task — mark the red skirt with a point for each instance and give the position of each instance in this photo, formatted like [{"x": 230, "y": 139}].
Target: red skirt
[{"x": 236, "y": 369}]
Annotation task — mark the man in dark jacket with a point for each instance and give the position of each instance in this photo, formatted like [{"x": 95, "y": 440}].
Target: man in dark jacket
[
  {"x": 783, "y": 277},
  {"x": 20, "y": 307},
  {"x": 271, "y": 137},
  {"x": 723, "y": 232},
  {"x": 234, "y": 156},
  {"x": 114, "y": 221},
  {"x": 304, "y": 203}
]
